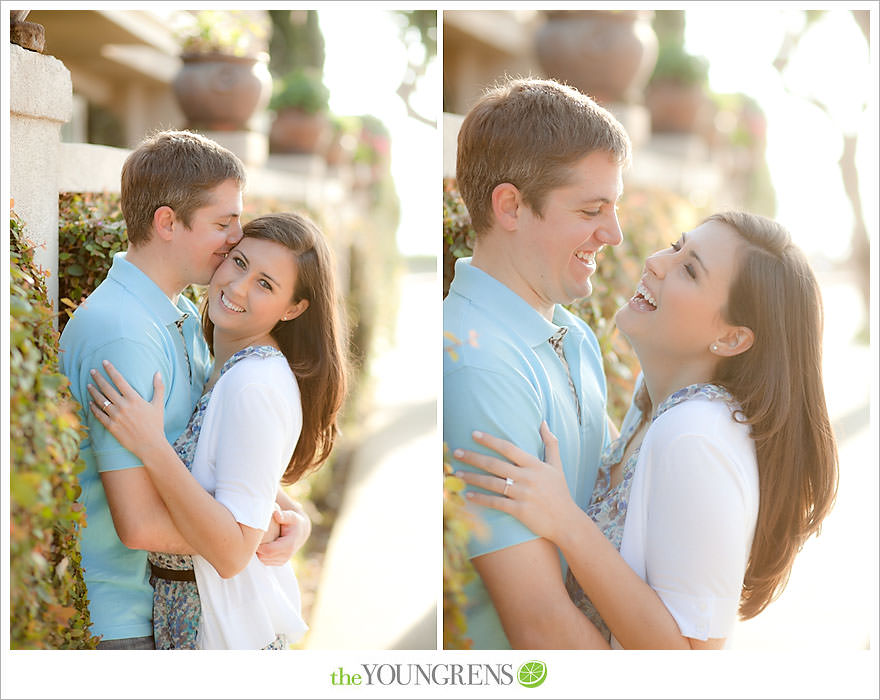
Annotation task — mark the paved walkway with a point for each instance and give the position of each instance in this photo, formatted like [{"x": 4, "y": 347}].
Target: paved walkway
[{"x": 382, "y": 574}]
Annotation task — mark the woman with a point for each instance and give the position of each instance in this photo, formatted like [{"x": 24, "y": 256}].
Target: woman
[
  {"x": 726, "y": 462},
  {"x": 268, "y": 413}
]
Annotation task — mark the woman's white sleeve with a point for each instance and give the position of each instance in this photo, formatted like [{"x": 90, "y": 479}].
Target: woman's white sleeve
[
  {"x": 697, "y": 533},
  {"x": 254, "y": 441}
]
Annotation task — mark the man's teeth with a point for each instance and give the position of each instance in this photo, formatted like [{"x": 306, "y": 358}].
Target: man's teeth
[
  {"x": 589, "y": 258},
  {"x": 229, "y": 305},
  {"x": 643, "y": 290}
]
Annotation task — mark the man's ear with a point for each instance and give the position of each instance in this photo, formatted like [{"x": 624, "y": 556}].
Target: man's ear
[
  {"x": 163, "y": 222},
  {"x": 506, "y": 203},
  {"x": 735, "y": 341}
]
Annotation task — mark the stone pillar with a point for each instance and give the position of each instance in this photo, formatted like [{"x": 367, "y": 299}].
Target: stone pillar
[
  {"x": 40, "y": 101},
  {"x": 451, "y": 125}
]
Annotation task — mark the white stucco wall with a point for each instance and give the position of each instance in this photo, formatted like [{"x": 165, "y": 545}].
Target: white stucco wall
[{"x": 40, "y": 101}]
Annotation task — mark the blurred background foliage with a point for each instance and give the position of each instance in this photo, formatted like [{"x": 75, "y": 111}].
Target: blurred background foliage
[{"x": 459, "y": 525}]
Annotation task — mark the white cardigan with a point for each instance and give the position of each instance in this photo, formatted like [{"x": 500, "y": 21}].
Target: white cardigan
[
  {"x": 692, "y": 514},
  {"x": 251, "y": 426}
]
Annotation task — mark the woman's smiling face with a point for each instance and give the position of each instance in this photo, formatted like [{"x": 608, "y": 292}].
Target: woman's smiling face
[
  {"x": 253, "y": 289},
  {"x": 677, "y": 310}
]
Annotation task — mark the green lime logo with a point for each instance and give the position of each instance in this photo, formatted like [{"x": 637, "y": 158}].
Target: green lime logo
[{"x": 532, "y": 673}]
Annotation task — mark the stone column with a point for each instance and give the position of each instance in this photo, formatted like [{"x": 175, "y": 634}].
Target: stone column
[
  {"x": 40, "y": 101},
  {"x": 451, "y": 125}
]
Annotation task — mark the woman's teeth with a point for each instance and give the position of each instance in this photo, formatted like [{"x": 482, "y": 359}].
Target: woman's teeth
[
  {"x": 229, "y": 305},
  {"x": 642, "y": 291},
  {"x": 589, "y": 258}
]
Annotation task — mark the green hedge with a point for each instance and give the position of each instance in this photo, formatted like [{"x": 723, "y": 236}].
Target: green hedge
[
  {"x": 651, "y": 219},
  {"x": 48, "y": 605},
  {"x": 90, "y": 231}
]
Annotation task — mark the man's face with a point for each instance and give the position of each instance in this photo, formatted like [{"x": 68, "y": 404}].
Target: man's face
[
  {"x": 214, "y": 229},
  {"x": 557, "y": 251}
]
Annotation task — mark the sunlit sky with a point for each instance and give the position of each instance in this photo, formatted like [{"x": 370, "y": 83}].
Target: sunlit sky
[
  {"x": 364, "y": 64},
  {"x": 803, "y": 144}
]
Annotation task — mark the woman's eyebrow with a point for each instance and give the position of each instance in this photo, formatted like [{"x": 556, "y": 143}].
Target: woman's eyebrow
[{"x": 694, "y": 255}]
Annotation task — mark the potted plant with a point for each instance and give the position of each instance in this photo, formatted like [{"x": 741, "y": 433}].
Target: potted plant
[
  {"x": 344, "y": 132},
  {"x": 676, "y": 94},
  {"x": 374, "y": 145},
  {"x": 224, "y": 77},
  {"x": 301, "y": 123}
]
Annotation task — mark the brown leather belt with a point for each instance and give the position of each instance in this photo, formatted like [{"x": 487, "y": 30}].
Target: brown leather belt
[{"x": 172, "y": 574}]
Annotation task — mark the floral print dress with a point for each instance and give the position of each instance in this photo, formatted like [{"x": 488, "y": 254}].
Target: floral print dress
[
  {"x": 609, "y": 503},
  {"x": 177, "y": 609}
]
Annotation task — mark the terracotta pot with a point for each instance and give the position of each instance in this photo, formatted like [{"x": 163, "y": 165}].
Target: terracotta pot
[
  {"x": 221, "y": 92},
  {"x": 607, "y": 55},
  {"x": 676, "y": 108},
  {"x": 341, "y": 149},
  {"x": 296, "y": 131}
]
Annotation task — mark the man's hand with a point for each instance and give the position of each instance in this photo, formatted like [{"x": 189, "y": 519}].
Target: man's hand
[
  {"x": 295, "y": 528},
  {"x": 273, "y": 530}
]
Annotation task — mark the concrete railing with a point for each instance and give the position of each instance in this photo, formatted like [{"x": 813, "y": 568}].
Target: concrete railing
[{"x": 87, "y": 167}]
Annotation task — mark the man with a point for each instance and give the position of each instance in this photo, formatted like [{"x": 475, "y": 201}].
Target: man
[
  {"x": 539, "y": 169},
  {"x": 181, "y": 199}
]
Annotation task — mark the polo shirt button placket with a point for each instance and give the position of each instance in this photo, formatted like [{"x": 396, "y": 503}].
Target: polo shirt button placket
[
  {"x": 179, "y": 324},
  {"x": 556, "y": 343}
]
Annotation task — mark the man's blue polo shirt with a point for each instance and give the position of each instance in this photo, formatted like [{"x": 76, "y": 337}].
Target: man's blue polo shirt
[
  {"x": 129, "y": 321},
  {"x": 504, "y": 378}
]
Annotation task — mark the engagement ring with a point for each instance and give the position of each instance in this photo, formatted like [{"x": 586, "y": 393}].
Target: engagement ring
[
  {"x": 106, "y": 403},
  {"x": 508, "y": 482}
]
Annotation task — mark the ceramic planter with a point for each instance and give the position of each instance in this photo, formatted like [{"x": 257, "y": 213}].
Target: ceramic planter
[
  {"x": 675, "y": 107},
  {"x": 608, "y": 55},
  {"x": 296, "y": 131},
  {"x": 220, "y": 92}
]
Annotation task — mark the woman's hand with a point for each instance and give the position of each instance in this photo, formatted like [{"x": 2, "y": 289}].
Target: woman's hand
[
  {"x": 534, "y": 492},
  {"x": 139, "y": 425}
]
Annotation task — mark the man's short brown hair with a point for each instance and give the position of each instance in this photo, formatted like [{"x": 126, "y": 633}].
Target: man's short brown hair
[
  {"x": 528, "y": 132},
  {"x": 177, "y": 169}
]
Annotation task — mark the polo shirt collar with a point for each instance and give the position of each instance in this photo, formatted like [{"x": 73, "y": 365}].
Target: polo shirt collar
[
  {"x": 136, "y": 281},
  {"x": 501, "y": 302}
]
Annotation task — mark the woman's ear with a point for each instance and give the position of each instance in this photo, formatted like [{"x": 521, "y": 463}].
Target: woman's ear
[
  {"x": 163, "y": 222},
  {"x": 295, "y": 310},
  {"x": 735, "y": 341},
  {"x": 506, "y": 200}
]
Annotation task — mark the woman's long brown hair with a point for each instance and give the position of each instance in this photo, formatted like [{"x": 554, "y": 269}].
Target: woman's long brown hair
[
  {"x": 778, "y": 384},
  {"x": 313, "y": 342}
]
